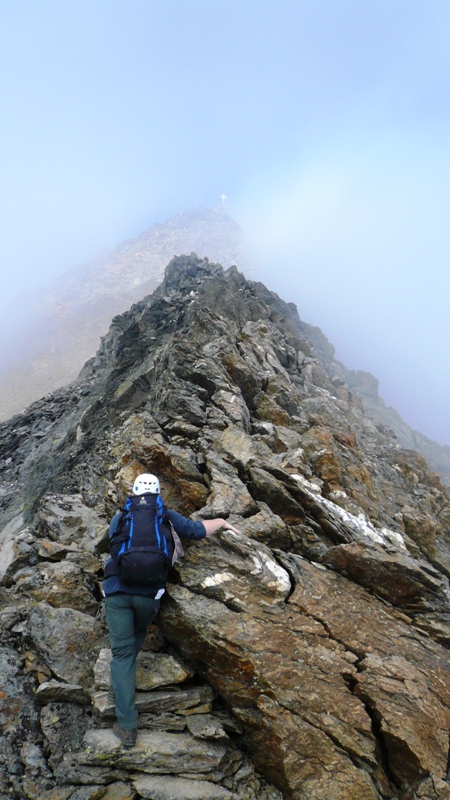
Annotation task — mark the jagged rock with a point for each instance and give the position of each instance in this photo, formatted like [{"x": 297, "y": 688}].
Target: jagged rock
[
  {"x": 435, "y": 624},
  {"x": 263, "y": 664},
  {"x": 37, "y": 776},
  {"x": 17, "y": 550},
  {"x": 233, "y": 406},
  {"x": 158, "y": 701},
  {"x": 68, "y": 771},
  {"x": 334, "y": 674},
  {"x": 53, "y": 551},
  {"x": 67, "y": 640},
  {"x": 239, "y": 447},
  {"x": 165, "y": 722},
  {"x": 432, "y": 789},
  {"x": 409, "y": 705},
  {"x": 58, "y": 794},
  {"x": 67, "y": 520},
  {"x": 206, "y": 726},
  {"x": 89, "y": 793},
  {"x": 203, "y": 709},
  {"x": 226, "y": 491},
  {"x": 157, "y": 752},
  {"x": 53, "y": 691},
  {"x": 238, "y": 571},
  {"x": 165, "y": 788},
  {"x": 73, "y": 314},
  {"x": 395, "y": 576},
  {"x": 63, "y": 584},
  {"x": 63, "y": 725},
  {"x": 265, "y": 527},
  {"x": 18, "y": 719},
  {"x": 266, "y": 488},
  {"x": 152, "y": 670},
  {"x": 119, "y": 791}
]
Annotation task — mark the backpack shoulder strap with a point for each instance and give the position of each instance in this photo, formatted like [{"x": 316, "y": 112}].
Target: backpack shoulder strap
[
  {"x": 118, "y": 530},
  {"x": 178, "y": 551},
  {"x": 116, "y": 524}
]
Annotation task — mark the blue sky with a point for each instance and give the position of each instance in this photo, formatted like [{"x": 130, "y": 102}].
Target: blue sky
[{"x": 326, "y": 122}]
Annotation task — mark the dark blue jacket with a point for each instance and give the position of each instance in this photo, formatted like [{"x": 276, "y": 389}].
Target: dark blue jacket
[{"x": 186, "y": 529}]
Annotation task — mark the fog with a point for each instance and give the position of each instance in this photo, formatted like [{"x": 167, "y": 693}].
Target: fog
[{"x": 326, "y": 124}]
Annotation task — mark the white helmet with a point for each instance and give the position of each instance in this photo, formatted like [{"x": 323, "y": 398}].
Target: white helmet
[{"x": 146, "y": 484}]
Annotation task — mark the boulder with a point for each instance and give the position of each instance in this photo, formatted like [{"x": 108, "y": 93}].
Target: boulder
[
  {"x": 238, "y": 571},
  {"x": 54, "y": 691},
  {"x": 61, "y": 584},
  {"x": 17, "y": 550},
  {"x": 157, "y": 702},
  {"x": 67, "y": 640},
  {"x": 227, "y": 492},
  {"x": 67, "y": 520},
  {"x": 168, "y": 788},
  {"x": 152, "y": 670},
  {"x": 160, "y": 753},
  {"x": 395, "y": 576}
]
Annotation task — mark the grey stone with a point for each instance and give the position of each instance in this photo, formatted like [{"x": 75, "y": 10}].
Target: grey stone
[
  {"x": 170, "y": 788},
  {"x": 152, "y": 670},
  {"x": 17, "y": 549},
  {"x": 159, "y": 753},
  {"x": 54, "y": 691},
  {"x": 64, "y": 725},
  {"x": 68, "y": 641},
  {"x": 61, "y": 584},
  {"x": 159, "y": 701},
  {"x": 227, "y": 492},
  {"x": 265, "y": 527},
  {"x": 53, "y": 551},
  {"x": 67, "y": 520},
  {"x": 206, "y": 726},
  {"x": 237, "y": 571},
  {"x": 68, "y": 771},
  {"x": 162, "y": 722}
]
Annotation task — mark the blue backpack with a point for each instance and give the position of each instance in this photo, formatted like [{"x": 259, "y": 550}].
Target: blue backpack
[{"x": 142, "y": 546}]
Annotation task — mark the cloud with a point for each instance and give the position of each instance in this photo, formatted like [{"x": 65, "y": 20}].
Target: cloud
[{"x": 356, "y": 233}]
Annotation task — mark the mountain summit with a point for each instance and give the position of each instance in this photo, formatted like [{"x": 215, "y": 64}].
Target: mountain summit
[{"x": 306, "y": 659}]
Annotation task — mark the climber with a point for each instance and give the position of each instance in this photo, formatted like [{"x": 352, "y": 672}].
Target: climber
[{"x": 144, "y": 545}]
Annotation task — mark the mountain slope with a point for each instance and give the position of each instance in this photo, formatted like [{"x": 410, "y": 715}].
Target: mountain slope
[
  {"x": 318, "y": 639},
  {"x": 71, "y": 317},
  {"x": 75, "y": 312}
]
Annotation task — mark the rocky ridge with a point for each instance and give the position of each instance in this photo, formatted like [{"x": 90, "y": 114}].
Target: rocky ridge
[
  {"x": 366, "y": 386},
  {"x": 75, "y": 312},
  {"x": 66, "y": 321},
  {"x": 306, "y": 659}
]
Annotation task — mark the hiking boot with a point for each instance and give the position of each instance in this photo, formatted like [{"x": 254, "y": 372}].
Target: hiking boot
[
  {"x": 111, "y": 695},
  {"x": 128, "y": 738}
]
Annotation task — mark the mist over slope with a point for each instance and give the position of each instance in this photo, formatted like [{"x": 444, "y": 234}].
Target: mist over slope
[
  {"x": 64, "y": 324},
  {"x": 305, "y": 659}
]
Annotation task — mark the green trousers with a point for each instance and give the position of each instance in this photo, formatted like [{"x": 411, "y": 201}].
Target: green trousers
[{"x": 128, "y": 617}]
